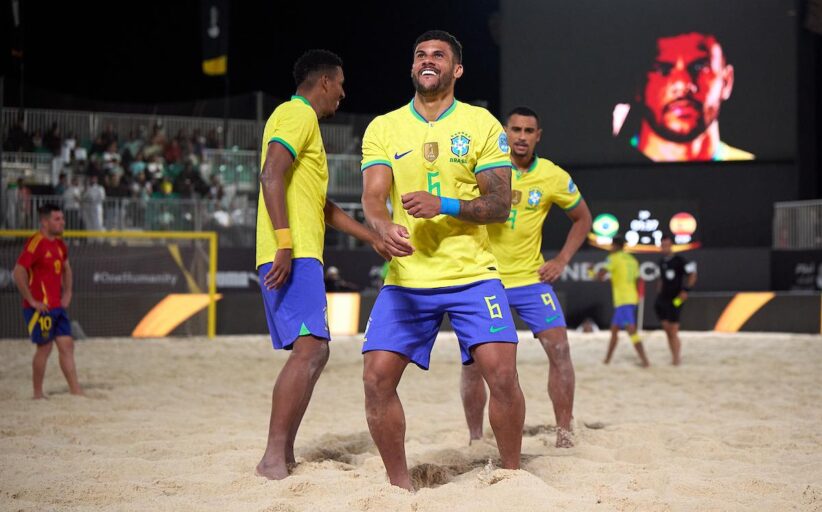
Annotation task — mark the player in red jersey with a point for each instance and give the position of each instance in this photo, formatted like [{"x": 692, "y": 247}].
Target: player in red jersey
[{"x": 43, "y": 276}]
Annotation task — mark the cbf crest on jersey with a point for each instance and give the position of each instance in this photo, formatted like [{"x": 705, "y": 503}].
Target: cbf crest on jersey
[
  {"x": 460, "y": 144},
  {"x": 431, "y": 151},
  {"x": 534, "y": 197}
]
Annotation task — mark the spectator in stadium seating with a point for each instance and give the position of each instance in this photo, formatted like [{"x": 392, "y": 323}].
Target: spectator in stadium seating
[
  {"x": 138, "y": 164},
  {"x": 53, "y": 141},
  {"x": 109, "y": 135},
  {"x": 72, "y": 197},
  {"x": 215, "y": 188},
  {"x": 37, "y": 142},
  {"x": 172, "y": 153},
  {"x": 198, "y": 141},
  {"x": 18, "y": 139},
  {"x": 213, "y": 139},
  {"x": 189, "y": 183},
  {"x": 95, "y": 168},
  {"x": 154, "y": 168},
  {"x": 62, "y": 184},
  {"x": 133, "y": 146},
  {"x": 112, "y": 159},
  {"x": 67, "y": 149},
  {"x": 93, "y": 199}
]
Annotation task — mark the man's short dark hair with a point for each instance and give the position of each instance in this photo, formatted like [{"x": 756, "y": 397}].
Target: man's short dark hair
[
  {"x": 441, "y": 35},
  {"x": 46, "y": 209},
  {"x": 667, "y": 236},
  {"x": 314, "y": 61},
  {"x": 522, "y": 111},
  {"x": 618, "y": 242}
]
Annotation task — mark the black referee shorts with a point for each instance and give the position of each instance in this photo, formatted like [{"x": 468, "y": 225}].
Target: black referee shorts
[{"x": 665, "y": 310}]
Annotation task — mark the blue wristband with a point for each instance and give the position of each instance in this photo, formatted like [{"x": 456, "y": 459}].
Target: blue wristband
[{"x": 449, "y": 206}]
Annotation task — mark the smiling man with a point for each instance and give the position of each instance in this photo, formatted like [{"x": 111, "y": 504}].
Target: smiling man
[
  {"x": 684, "y": 88},
  {"x": 445, "y": 166}
]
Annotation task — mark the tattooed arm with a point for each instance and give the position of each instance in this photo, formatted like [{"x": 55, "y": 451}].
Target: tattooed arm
[{"x": 494, "y": 203}]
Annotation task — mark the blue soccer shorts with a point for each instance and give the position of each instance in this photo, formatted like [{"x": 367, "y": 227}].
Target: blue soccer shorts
[
  {"x": 407, "y": 320},
  {"x": 537, "y": 305},
  {"x": 299, "y": 307},
  {"x": 44, "y": 327}
]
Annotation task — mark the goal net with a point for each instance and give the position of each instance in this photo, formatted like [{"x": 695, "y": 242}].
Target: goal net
[{"x": 141, "y": 283}]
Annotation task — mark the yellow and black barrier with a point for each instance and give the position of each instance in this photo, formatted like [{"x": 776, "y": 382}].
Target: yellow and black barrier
[{"x": 799, "y": 312}]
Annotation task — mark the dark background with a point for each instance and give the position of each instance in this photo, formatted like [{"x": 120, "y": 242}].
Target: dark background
[
  {"x": 592, "y": 54},
  {"x": 151, "y": 51},
  {"x": 569, "y": 60}
]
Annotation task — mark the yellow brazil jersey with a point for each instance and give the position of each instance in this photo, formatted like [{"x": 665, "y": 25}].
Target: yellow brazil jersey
[
  {"x": 441, "y": 157},
  {"x": 624, "y": 270},
  {"x": 294, "y": 125},
  {"x": 517, "y": 243}
]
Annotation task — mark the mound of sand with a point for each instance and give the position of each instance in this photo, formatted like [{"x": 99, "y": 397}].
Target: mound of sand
[{"x": 181, "y": 424}]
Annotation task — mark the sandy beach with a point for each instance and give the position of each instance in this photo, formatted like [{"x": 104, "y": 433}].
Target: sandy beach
[{"x": 180, "y": 425}]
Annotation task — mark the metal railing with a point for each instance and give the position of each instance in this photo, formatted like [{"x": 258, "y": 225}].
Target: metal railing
[
  {"x": 32, "y": 167},
  {"x": 127, "y": 213},
  {"x": 243, "y": 133},
  {"x": 797, "y": 225},
  {"x": 235, "y": 220}
]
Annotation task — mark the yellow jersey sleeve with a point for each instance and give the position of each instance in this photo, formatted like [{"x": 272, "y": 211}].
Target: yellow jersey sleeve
[
  {"x": 374, "y": 151},
  {"x": 494, "y": 150},
  {"x": 565, "y": 192},
  {"x": 292, "y": 126}
]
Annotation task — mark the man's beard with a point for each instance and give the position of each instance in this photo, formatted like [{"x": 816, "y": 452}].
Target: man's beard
[
  {"x": 675, "y": 136},
  {"x": 443, "y": 85}
]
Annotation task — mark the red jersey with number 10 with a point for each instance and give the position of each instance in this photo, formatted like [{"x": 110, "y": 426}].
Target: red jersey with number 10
[{"x": 44, "y": 260}]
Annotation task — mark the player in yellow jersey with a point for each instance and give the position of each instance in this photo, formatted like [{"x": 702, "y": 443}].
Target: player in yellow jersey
[
  {"x": 291, "y": 217},
  {"x": 624, "y": 270},
  {"x": 537, "y": 184},
  {"x": 445, "y": 166}
]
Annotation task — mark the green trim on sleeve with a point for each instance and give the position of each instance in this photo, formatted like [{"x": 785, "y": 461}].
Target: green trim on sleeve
[
  {"x": 286, "y": 145},
  {"x": 375, "y": 162},
  {"x": 492, "y": 165},
  {"x": 576, "y": 203}
]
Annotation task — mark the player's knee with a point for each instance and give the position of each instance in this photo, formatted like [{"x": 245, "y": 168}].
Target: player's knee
[
  {"x": 503, "y": 382},
  {"x": 471, "y": 374},
  {"x": 313, "y": 354},
  {"x": 44, "y": 349},
  {"x": 558, "y": 350},
  {"x": 377, "y": 384},
  {"x": 66, "y": 347}
]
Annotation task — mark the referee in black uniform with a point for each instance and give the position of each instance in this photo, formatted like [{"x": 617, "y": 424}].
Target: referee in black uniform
[{"x": 672, "y": 292}]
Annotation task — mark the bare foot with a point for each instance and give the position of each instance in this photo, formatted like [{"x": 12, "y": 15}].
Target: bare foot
[
  {"x": 272, "y": 471},
  {"x": 39, "y": 396},
  {"x": 565, "y": 438},
  {"x": 79, "y": 392},
  {"x": 676, "y": 362}
]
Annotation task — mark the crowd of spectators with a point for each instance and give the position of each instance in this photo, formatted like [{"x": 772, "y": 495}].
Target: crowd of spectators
[{"x": 143, "y": 164}]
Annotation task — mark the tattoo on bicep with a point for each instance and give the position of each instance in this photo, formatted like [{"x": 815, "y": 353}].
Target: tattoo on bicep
[{"x": 494, "y": 204}]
